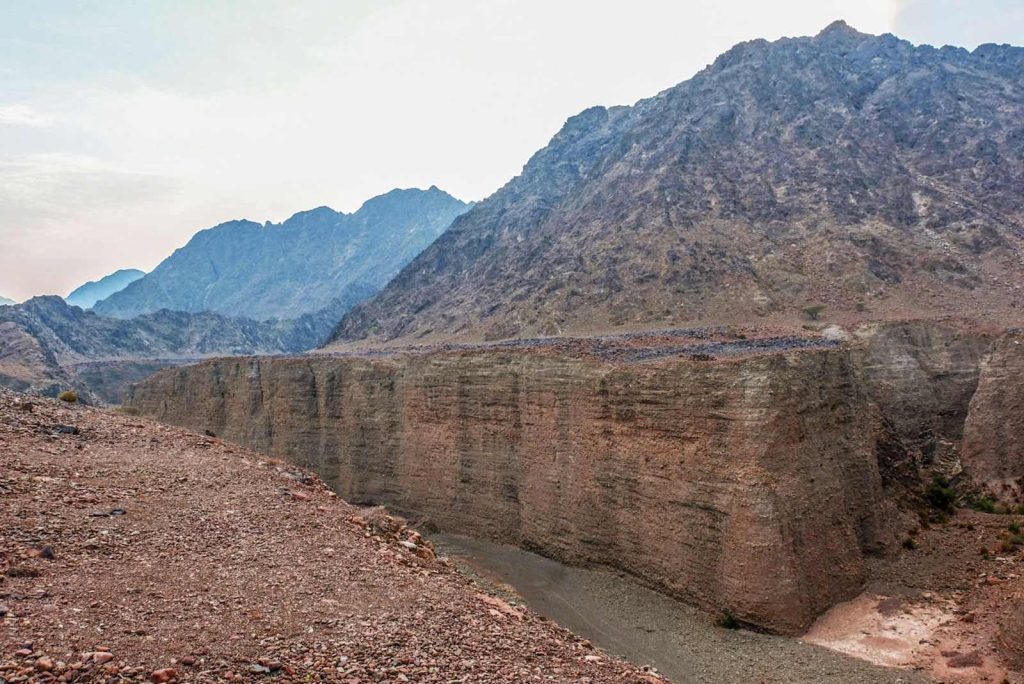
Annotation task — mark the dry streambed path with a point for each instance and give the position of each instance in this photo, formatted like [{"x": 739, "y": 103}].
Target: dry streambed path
[{"x": 135, "y": 551}]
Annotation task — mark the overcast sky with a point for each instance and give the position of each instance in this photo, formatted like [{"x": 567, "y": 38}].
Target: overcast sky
[{"x": 128, "y": 125}]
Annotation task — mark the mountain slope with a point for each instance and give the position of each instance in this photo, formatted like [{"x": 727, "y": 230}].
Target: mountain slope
[
  {"x": 93, "y": 291},
  {"x": 300, "y": 266},
  {"x": 4, "y": 301},
  {"x": 858, "y": 172},
  {"x": 47, "y": 346}
]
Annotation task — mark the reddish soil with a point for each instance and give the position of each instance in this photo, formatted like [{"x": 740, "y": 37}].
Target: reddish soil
[
  {"x": 135, "y": 551},
  {"x": 946, "y": 606}
]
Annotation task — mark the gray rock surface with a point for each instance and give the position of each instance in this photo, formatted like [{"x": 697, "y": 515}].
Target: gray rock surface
[{"x": 863, "y": 173}]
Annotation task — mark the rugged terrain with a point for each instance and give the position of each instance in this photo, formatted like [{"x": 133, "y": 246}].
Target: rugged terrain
[
  {"x": 4, "y": 301},
  {"x": 91, "y": 292},
  {"x": 644, "y": 454},
  {"x": 131, "y": 551},
  {"x": 860, "y": 173},
  {"x": 761, "y": 476},
  {"x": 315, "y": 259},
  {"x": 47, "y": 346}
]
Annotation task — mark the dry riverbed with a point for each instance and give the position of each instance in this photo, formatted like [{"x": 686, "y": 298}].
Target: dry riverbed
[{"x": 626, "y": 619}]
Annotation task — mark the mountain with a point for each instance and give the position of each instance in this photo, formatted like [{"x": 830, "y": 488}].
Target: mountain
[
  {"x": 47, "y": 345},
  {"x": 4, "y": 301},
  {"x": 300, "y": 266},
  {"x": 93, "y": 291},
  {"x": 857, "y": 173}
]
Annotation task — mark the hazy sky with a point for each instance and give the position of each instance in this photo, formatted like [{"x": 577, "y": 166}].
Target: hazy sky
[{"x": 128, "y": 125}]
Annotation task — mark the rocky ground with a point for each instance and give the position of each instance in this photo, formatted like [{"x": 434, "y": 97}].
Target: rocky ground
[
  {"x": 946, "y": 605},
  {"x": 623, "y": 617},
  {"x": 134, "y": 551}
]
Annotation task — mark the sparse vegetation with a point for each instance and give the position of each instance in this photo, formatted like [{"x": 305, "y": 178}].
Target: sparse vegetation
[
  {"x": 128, "y": 410},
  {"x": 68, "y": 396},
  {"x": 727, "y": 621},
  {"x": 982, "y": 503},
  {"x": 813, "y": 312},
  {"x": 1014, "y": 528},
  {"x": 939, "y": 495},
  {"x": 909, "y": 544},
  {"x": 1010, "y": 542}
]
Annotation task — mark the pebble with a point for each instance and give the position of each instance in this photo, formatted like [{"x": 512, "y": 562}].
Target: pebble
[{"x": 163, "y": 675}]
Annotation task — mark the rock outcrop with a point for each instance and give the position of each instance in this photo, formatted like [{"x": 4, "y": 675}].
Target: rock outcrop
[
  {"x": 315, "y": 259},
  {"x": 994, "y": 433},
  {"x": 748, "y": 485},
  {"x": 921, "y": 375},
  {"x": 875, "y": 178}
]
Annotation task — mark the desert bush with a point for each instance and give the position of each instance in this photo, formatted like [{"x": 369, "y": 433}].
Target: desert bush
[
  {"x": 939, "y": 495},
  {"x": 727, "y": 621},
  {"x": 982, "y": 503},
  {"x": 68, "y": 396},
  {"x": 128, "y": 410},
  {"x": 813, "y": 311}
]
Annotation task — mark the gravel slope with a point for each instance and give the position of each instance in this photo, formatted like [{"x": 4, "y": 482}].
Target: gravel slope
[{"x": 130, "y": 550}]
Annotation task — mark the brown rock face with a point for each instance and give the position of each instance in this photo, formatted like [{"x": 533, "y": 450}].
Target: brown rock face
[
  {"x": 748, "y": 485},
  {"x": 921, "y": 375},
  {"x": 994, "y": 432}
]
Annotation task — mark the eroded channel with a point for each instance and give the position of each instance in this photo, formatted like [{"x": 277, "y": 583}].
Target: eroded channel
[{"x": 626, "y": 619}]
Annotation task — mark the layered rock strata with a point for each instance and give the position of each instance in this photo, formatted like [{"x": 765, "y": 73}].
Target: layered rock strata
[{"x": 748, "y": 486}]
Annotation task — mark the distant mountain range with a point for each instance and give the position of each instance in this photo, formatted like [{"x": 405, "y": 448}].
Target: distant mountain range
[
  {"x": 47, "y": 345},
  {"x": 93, "y": 291},
  {"x": 315, "y": 259},
  {"x": 845, "y": 173},
  {"x": 4, "y": 301}
]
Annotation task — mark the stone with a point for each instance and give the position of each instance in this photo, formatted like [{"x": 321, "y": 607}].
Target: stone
[{"x": 163, "y": 675}]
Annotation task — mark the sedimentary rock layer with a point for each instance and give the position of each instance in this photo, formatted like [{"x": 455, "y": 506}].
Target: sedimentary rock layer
[
  {"x": 993, "y": 450},
  {"x": 748, "y": 485}
]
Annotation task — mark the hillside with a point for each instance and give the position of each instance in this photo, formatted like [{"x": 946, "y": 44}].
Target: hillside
[
  {"x": 867, "y": 175},
  {"x": 206, "y": 562},
  {"x": 4, "y": 301},
  {"x": 93, "y": 291},
  {"x": 44, "y": 341},
  {"x": 302, "y": 265}
]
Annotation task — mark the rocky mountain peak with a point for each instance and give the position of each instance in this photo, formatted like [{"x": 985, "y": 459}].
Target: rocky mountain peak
[{"x": 858, "y": 172}]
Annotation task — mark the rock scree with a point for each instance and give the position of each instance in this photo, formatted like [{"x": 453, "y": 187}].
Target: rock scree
[{"x": 202, "y": 561}]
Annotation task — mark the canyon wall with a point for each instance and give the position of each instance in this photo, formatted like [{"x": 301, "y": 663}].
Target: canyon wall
[
  {"x": 994, "y": 433},
  {"x": 921, "y": 375},
  {"x": 746, "y": 485}
]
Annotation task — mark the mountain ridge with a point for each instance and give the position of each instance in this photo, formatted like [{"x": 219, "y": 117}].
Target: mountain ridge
[
  {"x": 860, "y": 173},
  {"x": 86, "y": 295},
  {"x": 301, "y": 265},
  {"x": 48, "y": 345}
]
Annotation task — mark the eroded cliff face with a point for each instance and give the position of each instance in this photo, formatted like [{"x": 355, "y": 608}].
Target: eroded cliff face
[
  {"x": 921, "y": 375},
  {"x": 747, "y": 485},
  {"x": 994, "y": 433}
]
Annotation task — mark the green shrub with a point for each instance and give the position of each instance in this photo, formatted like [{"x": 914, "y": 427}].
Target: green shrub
[
  {"x": 982, "y": 503},
  {"x": 68, "y": 396},
  {"x": 727, "y": 621},
  {"x": 909, "y": 544},
  {"x": 128, "y": 410},
  {"x": 1014, "y": 528},
  {"x": 939, "y": 495}
]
